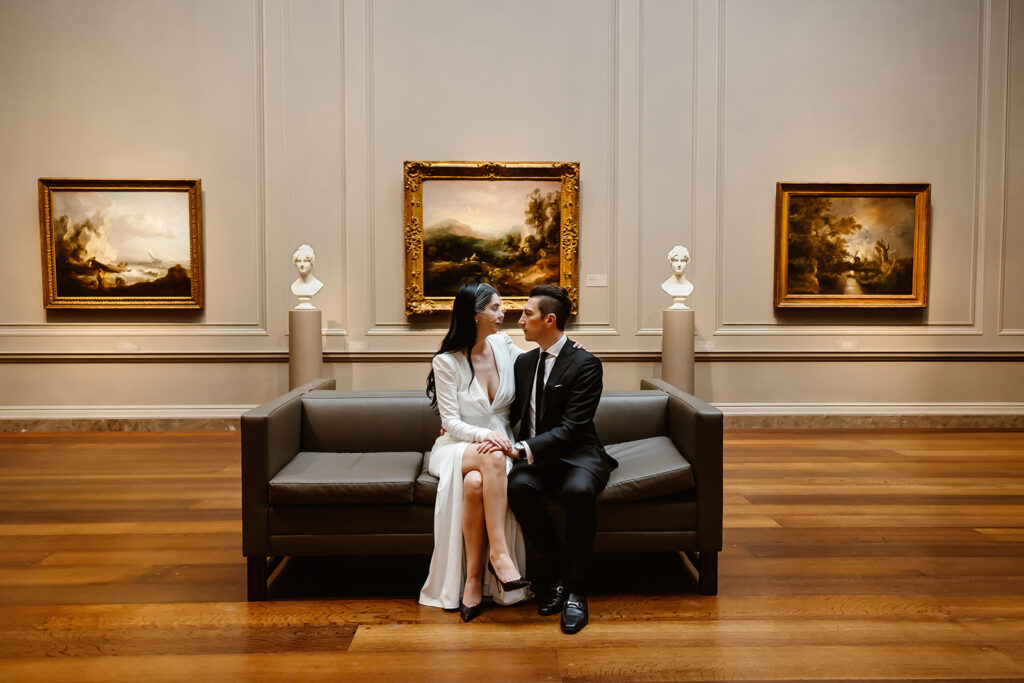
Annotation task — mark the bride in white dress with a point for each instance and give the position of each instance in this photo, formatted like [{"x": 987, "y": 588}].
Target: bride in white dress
[{"x": 473, "y": 385}]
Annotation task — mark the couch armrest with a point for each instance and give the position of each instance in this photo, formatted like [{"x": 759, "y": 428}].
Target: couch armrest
[
  {"x": 695, "y": 428},
  {"x": 270, "y": 439}
]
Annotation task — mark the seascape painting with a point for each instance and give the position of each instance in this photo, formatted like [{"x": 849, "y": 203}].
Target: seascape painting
[
  {"x": 113, "y": 246},
  {"x": 860, "y": 246},
  {"x": 505, "y": 232}
]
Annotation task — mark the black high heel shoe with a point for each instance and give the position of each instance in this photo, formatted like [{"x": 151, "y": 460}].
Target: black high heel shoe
[
  {"x": 470, "y": 613},
  {"x": 512, "y": 585}
]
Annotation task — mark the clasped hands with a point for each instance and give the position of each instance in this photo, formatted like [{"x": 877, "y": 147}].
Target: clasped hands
[{"x": 496, "y": 441}]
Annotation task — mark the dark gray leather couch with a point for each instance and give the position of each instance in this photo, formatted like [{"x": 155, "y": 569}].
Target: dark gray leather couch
[{"x": 328, "y": 472}]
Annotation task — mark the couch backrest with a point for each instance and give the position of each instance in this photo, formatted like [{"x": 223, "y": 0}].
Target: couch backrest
[
  {"x": 631, "y": 415},
  {"x": 365, "y": 422},
  {"x": 347, "y": 421}
]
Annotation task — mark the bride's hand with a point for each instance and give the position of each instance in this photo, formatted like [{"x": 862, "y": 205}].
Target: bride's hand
[
  {"x": 577, "y": 345},
  {"x": 498, "y": 441}
]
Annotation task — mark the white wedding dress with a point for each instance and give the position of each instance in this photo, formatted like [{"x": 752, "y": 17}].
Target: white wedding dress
[{"x": 467, "y": 416}]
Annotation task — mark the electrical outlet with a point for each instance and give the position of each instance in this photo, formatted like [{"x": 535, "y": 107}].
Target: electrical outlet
[
  {"x": 126, "y": 347},
  {"x": 703, "y": 345},
  {"x": 597, "y": 280},
  {"x": 847, "y": 344}
]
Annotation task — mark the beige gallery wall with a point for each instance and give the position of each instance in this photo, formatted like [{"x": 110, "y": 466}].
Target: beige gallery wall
[{"x": 298, "y": 114}]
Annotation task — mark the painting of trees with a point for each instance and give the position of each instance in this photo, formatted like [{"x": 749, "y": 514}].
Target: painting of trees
[
  {"x": 842, "y": 246},
  {"x": 522, "y": 252},
  {"x": 511, "y": 224},
  {"x": 818, "y": 250}
]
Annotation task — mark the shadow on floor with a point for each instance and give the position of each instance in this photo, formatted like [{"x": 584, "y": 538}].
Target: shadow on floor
[{"x": 401, "y": 576}]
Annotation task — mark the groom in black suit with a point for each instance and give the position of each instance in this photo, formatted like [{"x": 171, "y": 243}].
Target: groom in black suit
[{"x": 557, "y": 391}]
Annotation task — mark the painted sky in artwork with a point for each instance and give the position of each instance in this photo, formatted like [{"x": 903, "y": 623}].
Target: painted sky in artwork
[
  {"x": 130, "y": 227},
  {"x": 492, "y": 208},
  {"x": 882, "y": 218}
]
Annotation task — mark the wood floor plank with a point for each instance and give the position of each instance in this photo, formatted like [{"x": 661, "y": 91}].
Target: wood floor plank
[
  {"x": 495, "y": 666},
  {"x": 875, "y": 566},
  {"x": 839, "y": 520},
  {"x": 1006, "y": 535},
  {"x": 199, "y": 542},
  {"x": 670, "y": 634},
  {"x": 80, "y": 558},
  {"x": 789, "y": 662},
  {"x": 210, "y": 526},
  {"x": 179, "y": 640}
]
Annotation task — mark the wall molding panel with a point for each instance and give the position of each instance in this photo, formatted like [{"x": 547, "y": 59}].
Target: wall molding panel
[
  {"x": 1013, "y": 136},
  {"x": 986, "y": 96},
  {"x": 199, "y": 328}
]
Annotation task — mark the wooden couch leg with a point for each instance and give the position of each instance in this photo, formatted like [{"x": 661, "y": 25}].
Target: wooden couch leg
[
  {"x": 707, "y": 573},
  {"x": 256, "y": 578}
]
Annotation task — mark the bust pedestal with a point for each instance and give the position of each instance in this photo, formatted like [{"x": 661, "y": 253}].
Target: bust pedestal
[
  {"x": 677, "y": 347},
  {"x": 305, "y": 346}
]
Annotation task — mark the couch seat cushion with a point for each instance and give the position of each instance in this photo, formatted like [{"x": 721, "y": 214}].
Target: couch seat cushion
[
  {"x": 340, "y": 478},
  {"x": 648, "y": 468}
]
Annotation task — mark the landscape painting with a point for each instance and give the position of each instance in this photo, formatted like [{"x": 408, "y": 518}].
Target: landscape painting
[
  {"x": 487, "y": 222},
  {"x": 851, "y": 245},
  {"x": 121, "y": 244},
  {"x": 505, "y": 232}
]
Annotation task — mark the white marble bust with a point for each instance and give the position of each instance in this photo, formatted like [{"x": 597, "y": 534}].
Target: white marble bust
[
  {"x": 305, "y": 286},
  {"x": 677, "y": 286}
]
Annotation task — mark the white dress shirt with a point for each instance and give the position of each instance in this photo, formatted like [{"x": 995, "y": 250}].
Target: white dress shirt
[{"x": 549, "y": 362}]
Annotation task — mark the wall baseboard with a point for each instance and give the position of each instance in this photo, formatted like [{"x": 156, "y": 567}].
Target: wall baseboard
[
  {"x": 196, "y": 418},
  {"x": 737, "y": 416},
  {"x": 991, "y": 415},
  {"x": 871, "y": 408},
  {"x": 115, "y": 412}
]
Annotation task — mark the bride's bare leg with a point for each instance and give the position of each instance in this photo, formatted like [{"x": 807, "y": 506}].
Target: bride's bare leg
[
  {"x": 491, "y": 467},
  {"x": 475, "y": 534}
]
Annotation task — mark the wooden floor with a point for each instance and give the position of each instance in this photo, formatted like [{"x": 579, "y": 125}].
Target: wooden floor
[{"x": 848, "y": 555}]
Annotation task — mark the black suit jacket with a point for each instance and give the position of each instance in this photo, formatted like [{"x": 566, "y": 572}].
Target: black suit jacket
[{"x": 565, "y": 426}]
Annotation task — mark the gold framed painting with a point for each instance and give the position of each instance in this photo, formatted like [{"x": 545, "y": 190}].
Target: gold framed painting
[
  {"x": 121, "y": 244},
  {"x": 511, "y": 224},
  {"x": 859, "y": 245}
]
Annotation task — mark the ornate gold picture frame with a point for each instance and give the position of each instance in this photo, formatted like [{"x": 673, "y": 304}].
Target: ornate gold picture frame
[
  {"x": 511, "y": 224},
  {"x": 852, "y": 245},
  {"x": 131, "y": 244}
]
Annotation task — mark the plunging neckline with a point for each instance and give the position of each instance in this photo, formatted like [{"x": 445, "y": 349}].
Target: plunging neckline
[{"x": 497, "y": 370}]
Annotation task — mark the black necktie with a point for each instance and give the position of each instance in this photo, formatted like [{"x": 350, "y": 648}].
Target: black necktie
[{"x": 538, "y": 388}]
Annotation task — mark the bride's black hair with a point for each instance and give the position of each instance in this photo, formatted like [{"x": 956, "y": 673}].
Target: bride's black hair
[{"x": 469, "y": 300}]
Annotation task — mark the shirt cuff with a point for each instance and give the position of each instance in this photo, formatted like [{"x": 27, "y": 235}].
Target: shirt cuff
[{"x": 529, "y": 453}]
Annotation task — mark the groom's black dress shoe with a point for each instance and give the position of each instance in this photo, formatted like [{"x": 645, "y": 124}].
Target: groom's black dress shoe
[
  {"x": 555, "y": 601},
  {"x": 470, "y": 613},
  {"x": 574, "y": 614}
]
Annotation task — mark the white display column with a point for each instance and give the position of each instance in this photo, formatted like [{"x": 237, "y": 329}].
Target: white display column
[
  {"x": 677, "y": 348},
  {"x": 305, "y": 348}
]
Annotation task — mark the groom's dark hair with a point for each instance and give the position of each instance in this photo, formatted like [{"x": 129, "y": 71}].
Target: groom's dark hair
[{"x": 553, "y": 299}]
